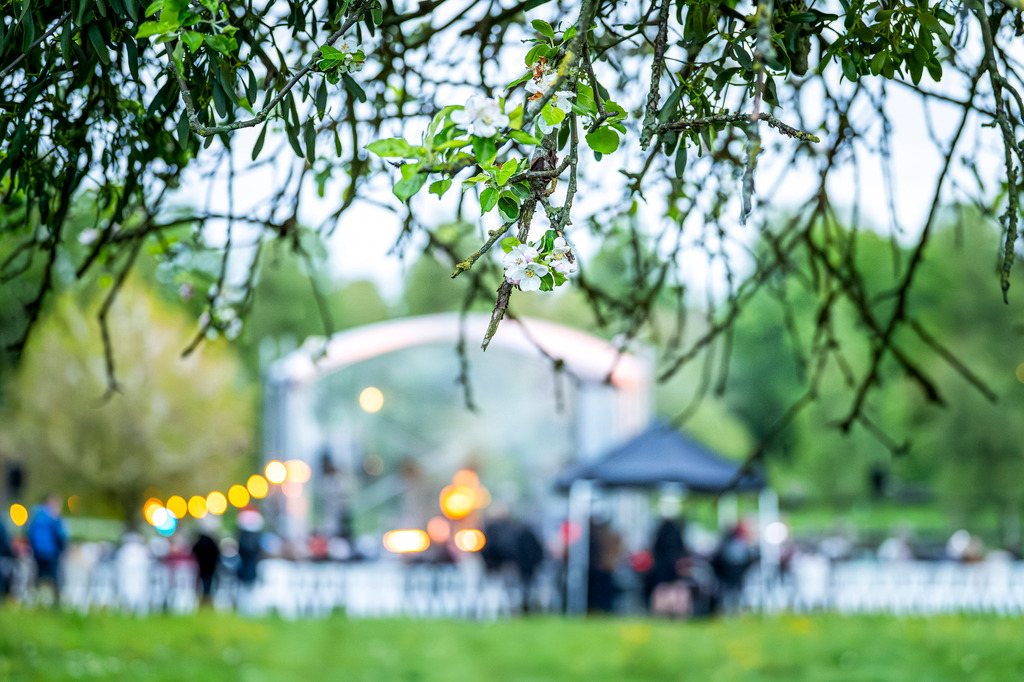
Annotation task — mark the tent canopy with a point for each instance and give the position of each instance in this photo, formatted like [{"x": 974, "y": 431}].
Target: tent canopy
[{"x": 661, "y": 455}]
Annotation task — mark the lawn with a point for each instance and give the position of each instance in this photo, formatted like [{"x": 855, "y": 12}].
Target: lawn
[{"x": 51, "y": 646}]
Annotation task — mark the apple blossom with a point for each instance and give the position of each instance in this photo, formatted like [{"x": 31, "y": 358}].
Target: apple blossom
[{"x": 482, "y": 116}]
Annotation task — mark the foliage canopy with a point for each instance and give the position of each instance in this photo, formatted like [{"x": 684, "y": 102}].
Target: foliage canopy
[{"x": 488, "y": 106}]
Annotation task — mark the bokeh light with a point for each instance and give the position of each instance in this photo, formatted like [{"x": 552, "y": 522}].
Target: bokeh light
[
  {"x": 257, "y": 486},
  {"x": 776, "y": 533},
  {"x": 73, "y": 503},
  {"x": 297, "y": 471},
  {"x": 238, "y": 496},
  {"x": 406, "y": 541},
  {"x": 466, "y": 478},
  {"x": 276, "y": 472},
  {"x": 19, "y": 515},
  {"x": 470, "y": 540},
  {"x": 151, "y": 505},
  {"x": 158, "y": 516},
  {"x": 216, "y": 503},
  {"x": 177, "y": 505},
  {"x": 197, "y": 506},
  {"x": 457, "y": 501},
  {"x": 371, "y": 399},
  {"x": 167, "y": 524},
  {"x": 291, "y": 489},
  {"x": 439, "y": 529}
]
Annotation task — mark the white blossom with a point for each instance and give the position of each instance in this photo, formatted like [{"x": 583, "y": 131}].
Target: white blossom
[
  {"x": 519, "y": 257},
  {"x": 559, "y": 99},
  {"x": 482, "y": 116},
  {"x": 528, "y": 276},
  {"x": 348, "y": 45},
  {"x": 559, "y": 258}
]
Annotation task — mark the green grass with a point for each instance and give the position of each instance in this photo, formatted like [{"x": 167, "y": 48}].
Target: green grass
[{"x": 53, "y": 646}]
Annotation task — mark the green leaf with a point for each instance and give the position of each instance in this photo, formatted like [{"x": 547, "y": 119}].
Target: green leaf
[
  {"x": 508, "y": 169},
  {"x": 321, "y": 98},
  {"x": 221, "y": 43},
  {"x": 153, "y": 28},
  {"x": 569, "y": 34},
  {"x": 192, "y": 39},
  {"x": 680, "y": 165},
  {"x": 435, "y": 122},
  {"x": 353, "y": 88},
  {"x": 515, "y": 118},
  {"x": 535, "y": 52},
  {"x": 488, "y": 199},
  {"x": 552, "y": 115},
  {"x": 337, "y": 142},
  {"x": 411, "y": 182},
  {"x": 521, "y": 190},
  {"x": 524, "y": 138},
  {"x": 521, "y": 79},
  {"x": 484, "y": 150},
  {"x": 96, "y": 38},
  {"x": 395, "y": 147},
  {"x": 508, "y": 207},
  {"x": 309, "y": 138},
  {"x": 603, "y": 140},
  {"x": 258, "y": 147},
  {"x": 440, "y": 187},
  {"x": 509, "y": 243},
  {"x": 544, "y": 28}
]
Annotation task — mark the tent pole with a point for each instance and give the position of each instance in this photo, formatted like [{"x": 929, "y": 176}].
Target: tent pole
[{"x": 580, "y": 498}]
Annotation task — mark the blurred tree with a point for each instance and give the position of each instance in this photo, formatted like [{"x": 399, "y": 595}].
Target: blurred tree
[{"x": 179, "y": 425}]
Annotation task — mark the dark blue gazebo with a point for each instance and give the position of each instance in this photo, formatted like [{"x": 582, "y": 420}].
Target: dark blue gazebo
[
  {"x": 662, "y": 455},
  {"x": 657, "y": 457}
]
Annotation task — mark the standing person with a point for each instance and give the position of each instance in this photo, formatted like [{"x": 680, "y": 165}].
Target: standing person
[
  {"x": 605, "y": 551},
  {"x": 6, "y": 563},
  {"x": 730, "y": 562},
  {"x": 47, "y": 538},
  {"x": 250, "y": 524},
  {"x": 207, "y": 555}
]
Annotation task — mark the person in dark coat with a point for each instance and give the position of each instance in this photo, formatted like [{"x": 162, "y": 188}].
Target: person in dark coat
[
  {"x": 250, "y": 526},
  {"x": 6, "y": 563},
  {"x": 734, "y": 556},
  {"x": 47, "y": 538},
  {"x": 667, "y": 549},
  {"x": 207, "y": 555}
]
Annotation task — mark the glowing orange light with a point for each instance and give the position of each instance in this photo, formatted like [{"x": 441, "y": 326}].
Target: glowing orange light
[
  {"x": 257, "y": 486},
  {"x": 470, "y": 540},
  {"x": 438, "y": 529},
  {"x": 406, "y": 541},
  {"x": 297, "y": 471},
  {"x": 238, "y": 495},
  {"x": 151, "y": 505},
  {"x": 371, "y": 399},
  {"x": 73, "y": 503},
  {"x": 177, "y": 505},
  {"x": 19, "y": 515},
  {"x": 216, "y": 503},
  {"x": 197, "y": 506},
  {"x": 276, "y": 472},
  {"x": 466, "y": 478},
  {"x": 457, "y": 501}
]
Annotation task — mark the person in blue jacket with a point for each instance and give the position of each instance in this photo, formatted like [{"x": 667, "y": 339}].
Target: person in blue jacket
[{"x": 47, "y": 537}]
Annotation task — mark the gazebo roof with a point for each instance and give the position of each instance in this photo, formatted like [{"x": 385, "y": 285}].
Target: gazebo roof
[{"x": 662, "y": 455}]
